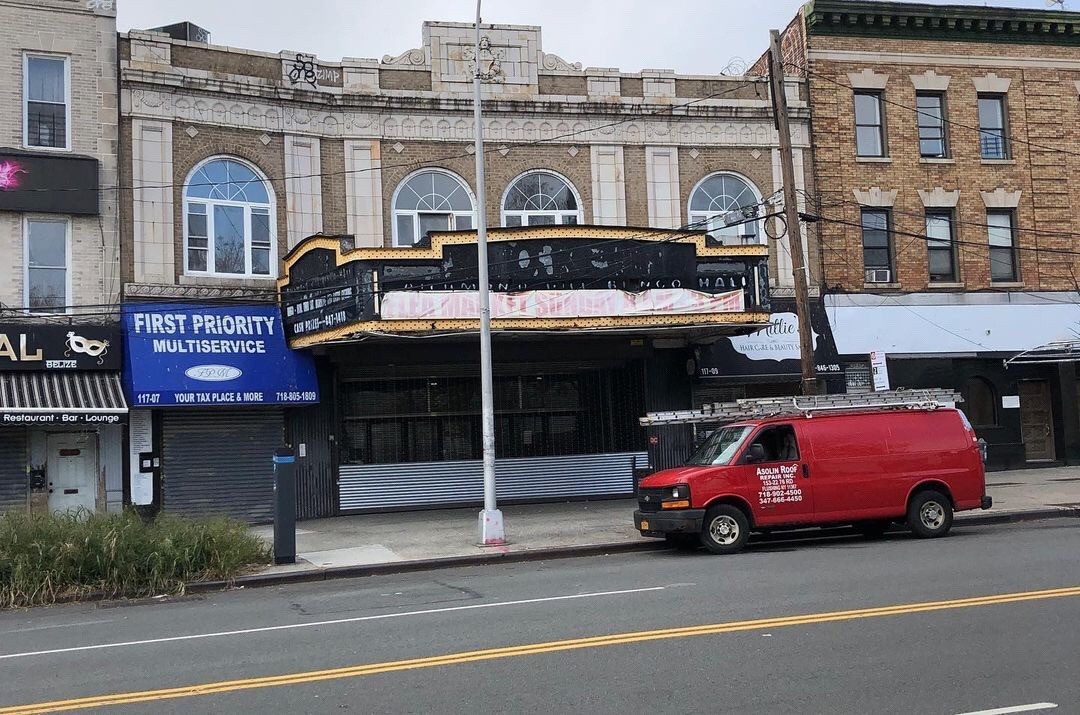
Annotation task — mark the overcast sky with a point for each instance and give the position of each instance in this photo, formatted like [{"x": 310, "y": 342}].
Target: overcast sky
[{"x": 689, "y": 36}]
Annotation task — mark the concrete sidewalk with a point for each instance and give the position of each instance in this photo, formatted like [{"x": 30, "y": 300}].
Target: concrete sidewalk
[{"x": 354, "y": 545}]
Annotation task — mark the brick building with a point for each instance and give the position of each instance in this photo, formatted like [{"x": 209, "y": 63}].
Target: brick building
[
  {"x": 945, "y": 155},
  {"x": 61, "y": 407},
  {"x": 237, "y": 157}
]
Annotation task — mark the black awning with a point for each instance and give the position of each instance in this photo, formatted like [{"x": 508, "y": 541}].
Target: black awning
[{"x": 61, "y": 398}]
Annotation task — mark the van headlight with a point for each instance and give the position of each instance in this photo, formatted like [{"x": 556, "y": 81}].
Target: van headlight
[{"x": 676, "y": 497}]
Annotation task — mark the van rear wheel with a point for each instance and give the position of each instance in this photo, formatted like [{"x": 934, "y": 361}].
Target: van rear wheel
[
  {"x": 725, "y": 529},
  {"x": 930, "y": 514}
]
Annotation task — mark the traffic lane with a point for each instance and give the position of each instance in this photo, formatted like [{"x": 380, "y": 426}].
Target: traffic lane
[
  {"x": 782, "y": 579},
  {"x": 941, "y": 663},
  {"x": 937, "y": 662},
  {"x": 969, "y": 552},
  {"x": 777, "y": 567}
]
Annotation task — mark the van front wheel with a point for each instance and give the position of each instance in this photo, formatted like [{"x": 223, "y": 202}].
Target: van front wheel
[
  {"x": 930, "y": 515},
  {"x": 725, "y": 529}
]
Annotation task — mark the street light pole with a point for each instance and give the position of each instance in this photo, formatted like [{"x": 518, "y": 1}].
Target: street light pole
[{"x": 491, "y": 520}]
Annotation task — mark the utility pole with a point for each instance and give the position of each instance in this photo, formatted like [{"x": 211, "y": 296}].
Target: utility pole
[
  {"x": 491, "y": 521},
  {"x": 791, "y": 216}
]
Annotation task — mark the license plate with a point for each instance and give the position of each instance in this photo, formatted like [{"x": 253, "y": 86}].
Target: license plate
[{"x": 644, "y": 526}]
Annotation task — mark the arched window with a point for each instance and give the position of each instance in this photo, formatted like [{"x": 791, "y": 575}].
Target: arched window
[
  {"x": 980, "y": 404},
  {"x": 540, "y": 198},
  {"x": 430, "y": 200},
  {"x": 718, "y": 195},
  {"x": 229, "y": 220}
]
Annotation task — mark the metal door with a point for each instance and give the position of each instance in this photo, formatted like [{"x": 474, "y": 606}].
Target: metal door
[
  {"x": 1037, "y": 421},
  {"x": 72, "y": 470}
]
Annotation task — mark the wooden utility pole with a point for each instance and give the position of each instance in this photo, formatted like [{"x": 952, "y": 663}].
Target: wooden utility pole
[{"x": 791, "y": 216}]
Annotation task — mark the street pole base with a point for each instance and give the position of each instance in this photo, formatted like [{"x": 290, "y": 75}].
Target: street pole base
[{"x": 491, "y": 528}]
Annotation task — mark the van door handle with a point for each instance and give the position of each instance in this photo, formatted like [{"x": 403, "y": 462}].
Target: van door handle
[{"x": 805, "y": 470}]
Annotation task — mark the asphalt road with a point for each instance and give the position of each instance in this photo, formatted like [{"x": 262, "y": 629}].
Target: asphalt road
[{"x": 984, "y": 619}]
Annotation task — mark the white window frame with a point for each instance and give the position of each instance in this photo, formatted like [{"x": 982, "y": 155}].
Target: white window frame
[
  {"x": 695, "y": 218},
  {"x": 454, "y": 215},
  {"x": 210, "y": 272},
  {"x": 558, "y": 215},
  {"x": 27, "y": 56},
  {"x": 47, "y": 218}
]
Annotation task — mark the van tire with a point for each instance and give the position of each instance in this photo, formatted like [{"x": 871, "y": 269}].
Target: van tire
[
  {"x": 725, "y": 529},
  {"x": 930, "y": 514}
]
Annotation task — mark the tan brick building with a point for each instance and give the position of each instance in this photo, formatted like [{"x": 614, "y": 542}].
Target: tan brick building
[
  {"x": 61, "y": 411},
  {"x": 237, "y": 156},
  {"x": 945, "y": 158}
]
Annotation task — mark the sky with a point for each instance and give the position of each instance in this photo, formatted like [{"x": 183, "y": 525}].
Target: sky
[{"x": 688, "y": 36}]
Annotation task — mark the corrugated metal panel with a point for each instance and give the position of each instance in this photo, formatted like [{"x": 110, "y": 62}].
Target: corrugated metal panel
[
  {"x": 218, "y": 461},
  {"x": 62, "y": 391},
  {"x": 380, "y": 486},
  {"x": 13, "y": 457}
]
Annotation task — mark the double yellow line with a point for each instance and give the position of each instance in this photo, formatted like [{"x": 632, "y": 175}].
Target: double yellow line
[{"x": 356, "y": 671}]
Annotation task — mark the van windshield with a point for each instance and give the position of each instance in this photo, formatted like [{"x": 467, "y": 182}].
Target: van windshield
[{"x": 720, "y": 447}]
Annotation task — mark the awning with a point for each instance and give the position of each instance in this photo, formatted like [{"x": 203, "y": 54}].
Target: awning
[
  {"x": 61, "y": 398},
  {"x": 919, "y": 324}
]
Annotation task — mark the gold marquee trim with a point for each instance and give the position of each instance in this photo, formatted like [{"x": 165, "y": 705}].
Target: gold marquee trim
[
  {"x": 496, "y": 235},
  {"x": 530, "y": 324}
]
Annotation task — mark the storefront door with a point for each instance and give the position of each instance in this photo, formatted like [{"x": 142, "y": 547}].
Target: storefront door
[
  {"x": 72, "y": 470},
  {"x": 1037, "y": 421}
]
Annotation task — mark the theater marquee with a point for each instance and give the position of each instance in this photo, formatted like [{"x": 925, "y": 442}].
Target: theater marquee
[{"x": 541, "y": 278}]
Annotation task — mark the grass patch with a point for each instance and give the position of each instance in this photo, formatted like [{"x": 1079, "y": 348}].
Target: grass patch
[{"x": 45, "y": 558}]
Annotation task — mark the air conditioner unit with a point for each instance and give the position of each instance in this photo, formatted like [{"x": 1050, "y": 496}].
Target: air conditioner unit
[{"x": 878, "y": 275}]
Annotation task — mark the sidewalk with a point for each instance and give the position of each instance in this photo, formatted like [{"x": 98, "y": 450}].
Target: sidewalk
[{"x": 381, "y": 543}]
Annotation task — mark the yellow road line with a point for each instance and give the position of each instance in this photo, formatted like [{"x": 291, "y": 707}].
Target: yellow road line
[{"x": 528, "y": 649}]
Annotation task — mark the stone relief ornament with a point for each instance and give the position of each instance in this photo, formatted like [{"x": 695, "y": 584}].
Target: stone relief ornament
[
  {"x": 408, "y": 57},
  {"x": 558, "y": 64},
  {"x": 488, "y": 63}
]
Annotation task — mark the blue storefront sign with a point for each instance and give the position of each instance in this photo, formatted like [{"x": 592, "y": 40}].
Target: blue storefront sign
[{"x": 212, "y": 355}]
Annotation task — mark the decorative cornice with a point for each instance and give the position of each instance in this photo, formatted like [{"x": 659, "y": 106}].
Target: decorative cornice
[
  {"x": 863, "y": 18},
  {"x": 158, "y": 290},
  {"x": 522, "y": 126}
]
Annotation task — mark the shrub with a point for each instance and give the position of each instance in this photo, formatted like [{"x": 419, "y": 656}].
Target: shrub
[{"x": 45, "y": 558}]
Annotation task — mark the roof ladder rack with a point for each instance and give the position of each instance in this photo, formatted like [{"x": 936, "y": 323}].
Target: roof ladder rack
[{"x": 760, "y": 408}]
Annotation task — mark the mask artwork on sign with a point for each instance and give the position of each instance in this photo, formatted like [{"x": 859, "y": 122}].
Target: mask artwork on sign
[{"x": 86, "y": 346}]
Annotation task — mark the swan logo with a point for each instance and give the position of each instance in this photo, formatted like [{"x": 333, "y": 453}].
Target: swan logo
[{"x": 213, "y": 373}]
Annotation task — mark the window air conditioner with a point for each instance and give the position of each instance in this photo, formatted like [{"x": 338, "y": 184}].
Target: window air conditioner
[{"x": 878, "y": 275}]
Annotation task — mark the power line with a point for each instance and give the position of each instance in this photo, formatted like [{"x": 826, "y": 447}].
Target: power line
[
  {"x": 943, "y": 119},
  {"x": 669, "y": 109},
  {"x": 251, "y": 296}
]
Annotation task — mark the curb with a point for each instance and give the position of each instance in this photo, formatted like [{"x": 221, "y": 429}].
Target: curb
[
  {"x": 396, "y": 567},
  {"x": 547, "y": 554},
  {"x": 1016, "y": 517}
]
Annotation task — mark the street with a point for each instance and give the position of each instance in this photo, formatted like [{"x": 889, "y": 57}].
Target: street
[{"x": 828, "y": 645}]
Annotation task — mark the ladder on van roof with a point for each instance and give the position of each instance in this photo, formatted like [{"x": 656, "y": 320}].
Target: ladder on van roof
[{"x": 807, "y": 406}]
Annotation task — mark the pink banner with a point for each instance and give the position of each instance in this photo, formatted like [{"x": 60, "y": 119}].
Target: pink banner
[{"x": 415, "y": 305}]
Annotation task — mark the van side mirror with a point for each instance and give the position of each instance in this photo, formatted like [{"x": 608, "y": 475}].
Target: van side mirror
[{"x": 756, "y": 454}]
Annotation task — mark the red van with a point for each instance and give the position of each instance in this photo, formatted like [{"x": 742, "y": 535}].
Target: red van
[{"x": 868, "y": 468}]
